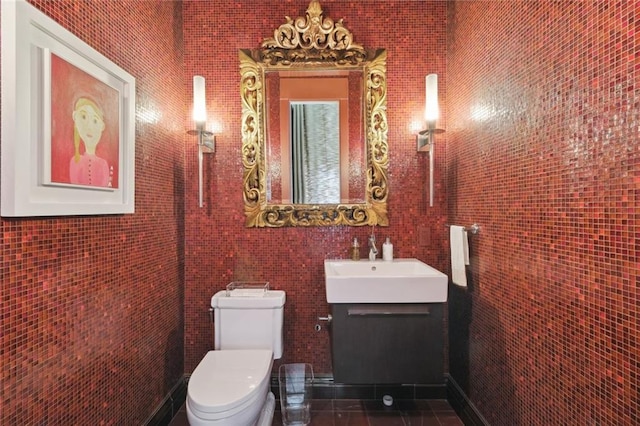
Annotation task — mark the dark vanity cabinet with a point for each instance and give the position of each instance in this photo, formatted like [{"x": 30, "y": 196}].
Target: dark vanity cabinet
[{"x": 387, "y": 343}]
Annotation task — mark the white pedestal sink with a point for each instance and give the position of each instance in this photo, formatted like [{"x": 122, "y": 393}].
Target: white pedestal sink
[{"x": 398, "y": 281}]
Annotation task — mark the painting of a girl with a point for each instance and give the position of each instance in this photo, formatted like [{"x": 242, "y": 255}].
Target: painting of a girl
[
  {"x": 88, "y": 168},
  {"x": 84, "y": 128}
]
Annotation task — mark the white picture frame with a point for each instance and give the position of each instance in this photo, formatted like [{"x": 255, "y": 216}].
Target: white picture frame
[{"x": 68, "y": 122}]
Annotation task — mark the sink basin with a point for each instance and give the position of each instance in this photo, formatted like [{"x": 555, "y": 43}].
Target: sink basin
[{"x": 399, "y": 281}]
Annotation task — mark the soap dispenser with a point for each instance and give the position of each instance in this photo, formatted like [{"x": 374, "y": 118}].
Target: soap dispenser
[
  {"x": 387, "y": 250},
  {"x": 355, "y": 250}
]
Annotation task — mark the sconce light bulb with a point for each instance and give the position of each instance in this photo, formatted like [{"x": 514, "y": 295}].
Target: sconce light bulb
[
  {"x": 431, "y": 111},
  {"x": 199, "y": 100}
]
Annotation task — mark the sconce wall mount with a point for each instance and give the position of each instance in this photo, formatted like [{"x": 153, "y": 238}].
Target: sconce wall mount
[
  {"x": 206, "y": 139},
  {"x": 425, "y": 138}
]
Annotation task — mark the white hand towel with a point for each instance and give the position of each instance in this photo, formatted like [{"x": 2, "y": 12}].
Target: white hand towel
[{"x": 459, "y": 254}]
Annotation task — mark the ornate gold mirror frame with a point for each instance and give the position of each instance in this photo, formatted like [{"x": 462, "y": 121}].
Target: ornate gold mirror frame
[{"x": 313, "y": 43}]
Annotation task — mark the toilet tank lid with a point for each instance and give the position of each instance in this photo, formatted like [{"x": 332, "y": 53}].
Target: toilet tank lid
[{"x": 262, "y": 300}]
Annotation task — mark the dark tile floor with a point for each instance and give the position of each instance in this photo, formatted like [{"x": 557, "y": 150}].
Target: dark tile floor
[{"x": 353, "y": 412}]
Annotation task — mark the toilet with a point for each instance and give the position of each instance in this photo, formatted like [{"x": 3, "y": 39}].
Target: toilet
[{"x": 230, "y": 386}]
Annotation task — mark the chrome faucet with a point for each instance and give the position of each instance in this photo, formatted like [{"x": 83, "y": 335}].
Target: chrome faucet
[{"x": 373, "y": 251}]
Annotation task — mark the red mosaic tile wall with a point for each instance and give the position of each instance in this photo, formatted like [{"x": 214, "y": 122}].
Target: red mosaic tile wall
[
  {"x": 92, "y": 328},
  {"x": 219, "y": 249},
  {"x": 542, "y": 152}
]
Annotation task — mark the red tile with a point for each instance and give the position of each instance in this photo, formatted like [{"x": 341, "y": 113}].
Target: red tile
[
  {"x": 542, "y": 152},
  {"x": 92, "y": 329}
]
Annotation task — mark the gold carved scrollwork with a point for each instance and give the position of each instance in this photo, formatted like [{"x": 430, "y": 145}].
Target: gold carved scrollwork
[
  {"x": 312, "y": 43},
  {"x": 252, "y": 154},
  {"x": 312, "y": 38},
  {"x": 377, "y": 128}
]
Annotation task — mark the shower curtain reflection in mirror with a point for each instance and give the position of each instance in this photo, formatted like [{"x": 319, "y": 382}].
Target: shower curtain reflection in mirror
[{"x": 315, "y": 152}]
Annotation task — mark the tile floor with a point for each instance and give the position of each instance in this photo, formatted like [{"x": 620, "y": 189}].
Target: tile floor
[{"x": 353, "y": 412}]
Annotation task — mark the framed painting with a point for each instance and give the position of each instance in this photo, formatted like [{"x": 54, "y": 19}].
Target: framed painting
[{"x": 68, "y": 122}]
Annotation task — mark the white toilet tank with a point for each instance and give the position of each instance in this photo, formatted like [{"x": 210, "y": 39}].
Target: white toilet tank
[{"x": 248, "y": 319}]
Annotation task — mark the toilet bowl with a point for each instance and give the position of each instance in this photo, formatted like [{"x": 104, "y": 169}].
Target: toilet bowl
[{"x": 229, "y": 387}]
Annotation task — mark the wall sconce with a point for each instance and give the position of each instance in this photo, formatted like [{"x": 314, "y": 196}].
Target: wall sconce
[
  {"x": 425, "y": 141},
  {"x": 206, "y": 139}
]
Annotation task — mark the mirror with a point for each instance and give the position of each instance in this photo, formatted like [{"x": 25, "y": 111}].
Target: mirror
[
  {"x": 284, "y": 89},
  {"x": 337, "y": 173}
]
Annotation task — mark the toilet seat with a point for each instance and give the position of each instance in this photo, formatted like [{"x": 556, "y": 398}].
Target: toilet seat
[{"x": 226, "y": 382}]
